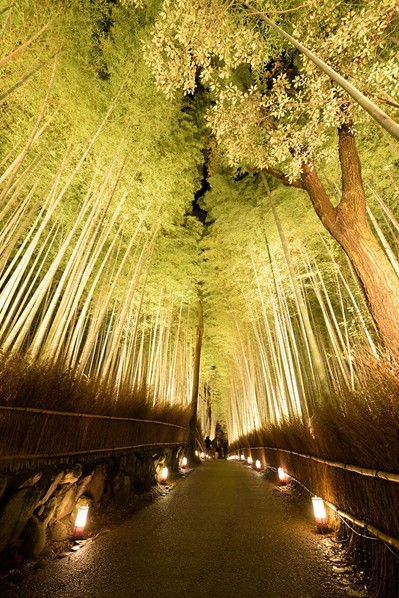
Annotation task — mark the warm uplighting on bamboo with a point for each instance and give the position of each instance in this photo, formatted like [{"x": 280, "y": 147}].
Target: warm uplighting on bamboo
[
  {"x": 184, "y": 462},
  {"x": 164, "y": 474}
]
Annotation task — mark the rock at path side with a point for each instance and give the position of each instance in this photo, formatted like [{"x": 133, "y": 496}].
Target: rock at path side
[
  {"x": 3, "y": 484},
  {"x": 122, "y": 490},
  {"x": 51, "y": 481},
  {"x": 58, "y": 532},
  {"x": 47, "y": 511},
  {"x": 25, "y": 479},
  {"x": 72, "y": 474},
  {"x": 15, "y": 515},
  {"x": 66, "y": 501},
  {"x": 97, "y": 484},
  {"x": 33, "y": 539},
  {"x": 83, "y": 484}
]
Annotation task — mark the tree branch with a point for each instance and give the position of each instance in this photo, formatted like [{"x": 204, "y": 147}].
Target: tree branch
[
  {"x": 319, "y": 197},
  {"x": 283, "y": 178}
]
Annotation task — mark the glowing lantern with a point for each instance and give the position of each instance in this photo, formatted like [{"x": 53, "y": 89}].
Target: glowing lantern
[
  {"x": 80, "y": 521},
  {"x": 258, "y": 464},
  {"x": 282, "y": 476},
  {"x": 164, "y": 474},
  {"x": 196, "y": 453},
  {"x": 250, "y": 460},
  {"x": 202, "y": 455},
  {"x": 184, "y": 462},
  {"x": 242, "y": 457},
  {"x": 319, "y": 513}
]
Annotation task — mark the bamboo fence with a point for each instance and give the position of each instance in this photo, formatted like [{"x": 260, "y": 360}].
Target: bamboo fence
[
  {"x": 29, "y": 435},
  {"x": 343, "y": 514}
]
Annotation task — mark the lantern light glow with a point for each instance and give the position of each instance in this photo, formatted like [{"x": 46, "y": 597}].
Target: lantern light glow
[
  {"x": 319, "y": 513},
  {"x": 282, "y": 476},
  {"x": 184, "y": 462},
  {"x": 164, "y": 474},
  {"x": 258, "y": 464},
  {"x": 80, "y": 521},
  {"x": 250, "y": 460}
]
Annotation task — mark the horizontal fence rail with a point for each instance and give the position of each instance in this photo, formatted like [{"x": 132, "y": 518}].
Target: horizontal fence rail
[
  {"x": 91, "y": 452},
  {"x": 393, "y": 542},
  {"x": 374, "y": 473}
]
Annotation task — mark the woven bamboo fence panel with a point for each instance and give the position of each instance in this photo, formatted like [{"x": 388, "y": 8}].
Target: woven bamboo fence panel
[{"x": 31, "y": 435}]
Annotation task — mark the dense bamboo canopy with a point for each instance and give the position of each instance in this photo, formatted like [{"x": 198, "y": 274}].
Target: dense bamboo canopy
[{"x": 154, "y": 154}]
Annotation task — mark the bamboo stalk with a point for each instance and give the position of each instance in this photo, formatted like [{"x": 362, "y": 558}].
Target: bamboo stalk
[
  {"x": 20, "y": 82},
  {"x": 375, "y": 112},
  {"x": 22, "y": 47}
]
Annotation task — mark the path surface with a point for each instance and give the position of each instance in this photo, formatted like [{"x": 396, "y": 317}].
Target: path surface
[{"x": 224, "y": 532}]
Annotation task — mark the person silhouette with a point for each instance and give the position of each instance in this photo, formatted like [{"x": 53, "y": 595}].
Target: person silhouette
[{"x": 208, "y": 445}]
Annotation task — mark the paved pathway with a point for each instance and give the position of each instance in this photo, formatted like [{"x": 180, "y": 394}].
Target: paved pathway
[{"x": 224, "y": 532}]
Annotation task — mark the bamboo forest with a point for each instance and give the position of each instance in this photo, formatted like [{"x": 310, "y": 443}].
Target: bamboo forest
[{"x": 200, "y": 226}]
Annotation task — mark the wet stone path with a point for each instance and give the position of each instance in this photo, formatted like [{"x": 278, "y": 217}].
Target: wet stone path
[{"x": 223, "y": 532}]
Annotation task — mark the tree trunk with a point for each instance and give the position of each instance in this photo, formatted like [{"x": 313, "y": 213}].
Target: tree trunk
[
  {"x": 194, "y": 394},
  {"x": 347, "y": 223}
]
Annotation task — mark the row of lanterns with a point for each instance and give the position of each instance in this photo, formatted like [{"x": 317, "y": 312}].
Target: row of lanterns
[
  {"x": 83, "y": 510},
  {"x": 319, "y": 509},
  {"x": 318, "y": 503}
]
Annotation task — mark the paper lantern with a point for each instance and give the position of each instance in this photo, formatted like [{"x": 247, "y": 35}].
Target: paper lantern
[
  {"x": 282, "y": 476},
  {"x": 319, "y": 513},
  {"x": 80, "y": 521}
]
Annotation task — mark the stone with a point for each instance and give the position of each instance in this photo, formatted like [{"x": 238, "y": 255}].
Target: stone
[
  {"x": 123, "y": 462},
  {"x": 122, "y": 490},
  {"x": 55, "y": 479},
  {"x": 18, "y": 509},
  {"x": 97, "y": 484},
  {"x": 25, "y": 479},
  {"x": 58, "y": 532},
  {"x": 3, "y": 485},
  {"x": 72, "y": 474},
  {"x": 84, "y": 483},
  {"x": 106, "y": 498},
  {"x": 46, "y": 512},
  {"x": 33, "y": 539},
  {"x": 144, "y": 475},
  {"x": 130, "y": 466},
  {"x": 66, "y": 501}
]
